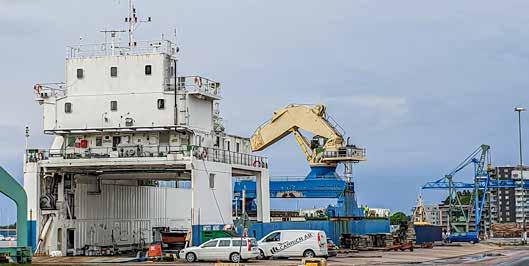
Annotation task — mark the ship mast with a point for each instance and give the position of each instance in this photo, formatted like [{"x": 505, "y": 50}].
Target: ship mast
[{"x": 132, "y": 21}]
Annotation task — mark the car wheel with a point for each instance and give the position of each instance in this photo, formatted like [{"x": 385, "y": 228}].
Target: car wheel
[
  {"x": 235, "y": 257},
  {"x": 309, "y": 254},
  {"x": 261, "y": 255},
  {"x": 191, "y": 257}
]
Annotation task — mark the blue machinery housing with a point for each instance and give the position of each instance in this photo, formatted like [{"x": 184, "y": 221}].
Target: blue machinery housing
[{"x": 321, "y": 182}]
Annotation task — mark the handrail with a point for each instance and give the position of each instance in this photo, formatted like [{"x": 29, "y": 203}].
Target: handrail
[
  {"x": 131, "y": 151},
  {"x": 230, "y": 157},
  {"x": 195, "y": 84},
  {"x": 121, "y": 48}
]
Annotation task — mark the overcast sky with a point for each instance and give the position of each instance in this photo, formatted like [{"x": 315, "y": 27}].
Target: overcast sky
[{"x": 420, "y": 84}]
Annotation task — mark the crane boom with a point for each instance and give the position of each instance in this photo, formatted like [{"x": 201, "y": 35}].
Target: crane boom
[
  {"x": 313, "y": 120},
  {"x": 293, "y": 117}
]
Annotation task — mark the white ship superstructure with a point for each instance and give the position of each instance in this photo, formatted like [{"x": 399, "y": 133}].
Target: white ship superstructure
[{"x": 136, "y": 146}]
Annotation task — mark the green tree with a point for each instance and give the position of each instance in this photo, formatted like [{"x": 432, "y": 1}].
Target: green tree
[
  {"x": 465, "y": 196},
  {"x": 397, "y": 218}
]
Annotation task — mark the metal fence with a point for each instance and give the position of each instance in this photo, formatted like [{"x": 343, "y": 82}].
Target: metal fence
[
  {"x": 132, "y": 151},
  {"x": 230, "y": 157},
  {"x": 196, "y": 84},
  {"x": 121, "y": 48},
  {"x": 348, "y": 152}
]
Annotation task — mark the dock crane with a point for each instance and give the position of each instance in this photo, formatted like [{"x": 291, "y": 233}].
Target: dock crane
[
  {"x": 482, "y": 182},
  {"x": 323, "y": 152},
  {"x": 326, "y": 148}
]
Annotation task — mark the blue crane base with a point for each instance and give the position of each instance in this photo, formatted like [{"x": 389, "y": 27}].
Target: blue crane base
[{"x": 321, "y": 182}]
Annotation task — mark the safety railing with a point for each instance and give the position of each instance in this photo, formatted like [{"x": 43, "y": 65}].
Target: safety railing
[
  {"x": 120, "y": 151},
  {"x": 121, "y": 48},
  {"x": 229, "y": 157},
  {"x": 131, "y": 151},
  {"x": 196, "y": 84},
  {"x": 352, "y": 153}
]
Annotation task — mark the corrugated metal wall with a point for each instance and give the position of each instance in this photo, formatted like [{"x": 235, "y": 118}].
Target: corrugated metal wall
[
  {"x": 333, "y": 229},
  {"x": 127, "y": 213}
]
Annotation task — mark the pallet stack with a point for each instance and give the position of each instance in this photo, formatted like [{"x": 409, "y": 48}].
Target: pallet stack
[{"x": 506, "y": 230}]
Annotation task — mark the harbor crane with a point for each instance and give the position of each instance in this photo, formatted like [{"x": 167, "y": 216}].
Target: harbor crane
[
  {"x": 484, "y": 180},
  {"x": 327, "y": 147},
  {"x": 323, "y": 152},
  {"x": 482, "y": 172}
]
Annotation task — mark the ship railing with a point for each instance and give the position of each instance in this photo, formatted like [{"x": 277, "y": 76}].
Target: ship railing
[
  {"x": 120, "y": 151},
  {"x": 131, "y": 151},
  {"x": 196, "y": 84},
  {"x": 121, "y": 48},
  {"x": 229, "y": 157},
  {"x": 346, "y": 153},
  {"x": 45, "y": 90},
  {"x": 287, "y": 178}
]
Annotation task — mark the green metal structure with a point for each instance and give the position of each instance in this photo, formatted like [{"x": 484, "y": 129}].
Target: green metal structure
[{"x": 13, "y": 190}]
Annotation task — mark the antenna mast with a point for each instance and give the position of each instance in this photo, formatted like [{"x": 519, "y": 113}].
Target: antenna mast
[{"x": 132, "y": 21}]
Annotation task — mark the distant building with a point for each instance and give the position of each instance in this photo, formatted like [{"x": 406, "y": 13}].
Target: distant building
[
  {"x": 378, "y": 213},
  {"x": 432, "y": 214},
  {"x": 503, "y": 202},
  {"x": 520, "y": 196}
]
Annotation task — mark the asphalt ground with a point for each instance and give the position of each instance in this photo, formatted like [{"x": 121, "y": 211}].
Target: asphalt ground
[{"x": 466, "y": 254}]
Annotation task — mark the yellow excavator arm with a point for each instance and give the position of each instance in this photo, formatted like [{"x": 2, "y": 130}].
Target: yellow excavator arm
[{"x": 313, "y": 120}]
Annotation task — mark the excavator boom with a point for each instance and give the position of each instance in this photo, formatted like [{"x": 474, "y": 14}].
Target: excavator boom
[
  {"x": 313, "y": 120},
  {"x": 290, "y": 118}
]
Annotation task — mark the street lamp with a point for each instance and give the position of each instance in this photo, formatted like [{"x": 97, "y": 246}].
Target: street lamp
[{"x": 520, "y": 110}]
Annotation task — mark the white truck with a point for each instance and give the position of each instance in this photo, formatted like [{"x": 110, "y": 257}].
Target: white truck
[{"x": 293, "y": 243}]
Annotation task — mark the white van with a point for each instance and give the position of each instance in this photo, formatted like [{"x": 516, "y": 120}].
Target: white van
[{"x": 293, "y": 243}]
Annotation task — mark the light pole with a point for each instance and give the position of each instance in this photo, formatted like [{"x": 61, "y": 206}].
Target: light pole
[{"x": 520, "y": 110}]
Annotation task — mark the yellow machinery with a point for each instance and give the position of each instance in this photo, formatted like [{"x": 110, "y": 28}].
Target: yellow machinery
[
  {"x": 419, "y": 213},
  {"x": 327, "y": 147},
  {"x": 323, "y": 152}
]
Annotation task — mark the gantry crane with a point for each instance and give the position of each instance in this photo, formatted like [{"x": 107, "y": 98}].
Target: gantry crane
[
  {"x": 483, "y": 171},
  {"x": 323, "y": 152}
]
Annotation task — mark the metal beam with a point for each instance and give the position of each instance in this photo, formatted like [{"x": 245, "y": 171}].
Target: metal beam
[{"x": 13, "y": 190}]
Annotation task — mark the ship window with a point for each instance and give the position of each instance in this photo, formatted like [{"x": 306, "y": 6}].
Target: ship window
[
  {"x": 67, "y": 108},
  {"x": 99, "y": 141},
  {"x": 161, "y": 104},
  {"x": 237, "y": 147},
  {"x": 114, "y": 71},
  {"x": 211, "y": 180},
  {"x": 171, "y": 71},
  {"x": 113, "y": 105},
  {"x": 148, "y": 70},
  {"x": 80, "y": 73}
]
